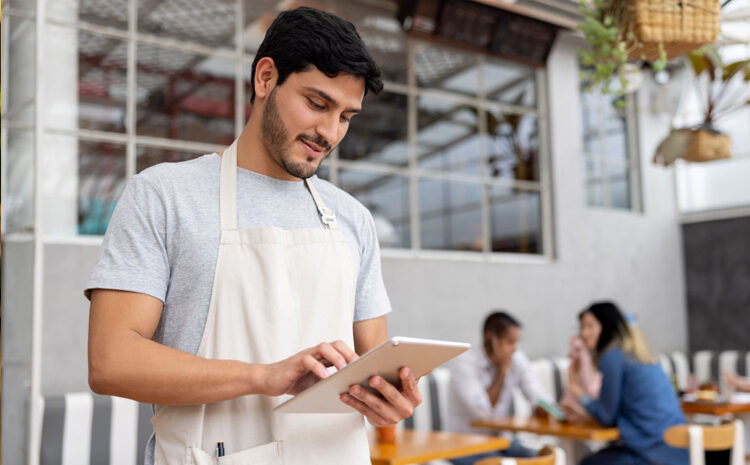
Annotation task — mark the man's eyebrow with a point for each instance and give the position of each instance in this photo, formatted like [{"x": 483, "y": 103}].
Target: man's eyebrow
[{"x": 331, "y": 100}]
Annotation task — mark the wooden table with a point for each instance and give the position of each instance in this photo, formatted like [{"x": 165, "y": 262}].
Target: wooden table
[
  {"x": 569, "y": 434},
  {"x": 546, "y": 427},
  {"x": 714, "y": 408},
  {"x": 423, "y": 446}
]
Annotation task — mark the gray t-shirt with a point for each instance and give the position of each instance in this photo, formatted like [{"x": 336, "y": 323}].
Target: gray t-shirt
[{"x": 163, "y": 239}]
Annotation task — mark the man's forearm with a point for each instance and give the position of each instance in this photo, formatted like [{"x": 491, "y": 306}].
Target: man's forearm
[{"x": 138, "y": 368}]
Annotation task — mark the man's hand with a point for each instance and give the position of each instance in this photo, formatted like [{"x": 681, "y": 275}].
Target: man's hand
[
  {"x": 303, "y": 369},
  {"x": 392, "y": 405}
]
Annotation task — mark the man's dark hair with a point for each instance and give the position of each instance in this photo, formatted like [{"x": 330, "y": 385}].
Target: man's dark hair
[
  {"x": 614, "y": 324},
  {"x": 498, "y": 322},
  {"x": 304, "y": 37}
]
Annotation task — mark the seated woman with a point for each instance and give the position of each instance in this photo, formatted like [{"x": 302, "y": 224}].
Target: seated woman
[
  {"x": 582, "y": 371},
  {"x": 635, "y": 393}
]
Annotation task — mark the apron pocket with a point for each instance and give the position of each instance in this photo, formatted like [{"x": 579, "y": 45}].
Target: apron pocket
[{"x": 267, "y": 454}]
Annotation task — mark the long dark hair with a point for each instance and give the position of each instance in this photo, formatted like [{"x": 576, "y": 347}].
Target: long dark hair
[
  {"x": 616, "y": 332},
  {"x": 304, "y": 37}
]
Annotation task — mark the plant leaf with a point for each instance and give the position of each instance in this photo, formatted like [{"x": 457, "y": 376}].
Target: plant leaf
[
  {"x": 732, "y": 69},
  {"x": 697, "y": 61}
]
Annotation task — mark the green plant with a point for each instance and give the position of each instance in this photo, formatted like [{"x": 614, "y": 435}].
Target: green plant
[{"x": 608, "y": 47}]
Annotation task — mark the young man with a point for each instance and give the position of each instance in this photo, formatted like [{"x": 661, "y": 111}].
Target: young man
[
  {"x": 483, "y": 380},
  {"x": 233, "y": 279}
]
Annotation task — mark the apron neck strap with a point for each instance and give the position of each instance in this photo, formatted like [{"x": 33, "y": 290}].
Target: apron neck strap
[
  {"x": 228, "y": 193},
  {"x": 228, "y": 188},
  {"x": 327, "y": 217}
]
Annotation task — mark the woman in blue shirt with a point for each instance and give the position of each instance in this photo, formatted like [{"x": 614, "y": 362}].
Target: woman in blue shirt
[{"x": 635, "y": 395}]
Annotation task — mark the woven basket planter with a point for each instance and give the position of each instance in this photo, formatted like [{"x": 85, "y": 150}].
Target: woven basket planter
[
  {"x": 704, "y": 145},
  {"x": 681, "y": 26}
]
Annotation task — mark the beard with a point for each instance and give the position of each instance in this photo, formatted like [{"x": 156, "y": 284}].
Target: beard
[{"x": 279, "y": 147}]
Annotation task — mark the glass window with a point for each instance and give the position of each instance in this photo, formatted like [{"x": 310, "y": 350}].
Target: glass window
[
  {"x": 450, "y": 215},
  {"x": 446, "y": 68},
  {"x": 101, "y": 172},
  {"x": 379, "y": 133},
  {"x": 508, "y": 82},
  {"x": 610, "y": 163},
  {"x": 18, "y": 207},
  {"x": 108, "y": 13},
  {"x": 184, "y": 96},
  {"x": 93, "y": 94},
  {"x": 448, "y": 136},
  {"x": 387, "y": 198},
  {"x": 512, "y": 146},
  {"x": 516, "y": 220},
  {"x": 204, "y": 23},
  {"x": 447, "y": 158}
]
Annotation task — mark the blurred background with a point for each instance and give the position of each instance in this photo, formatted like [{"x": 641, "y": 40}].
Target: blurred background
[{"x": 495, "y": 179}]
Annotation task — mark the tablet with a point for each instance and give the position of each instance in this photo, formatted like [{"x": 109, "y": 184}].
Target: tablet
[{"x": 420, "y": 355}]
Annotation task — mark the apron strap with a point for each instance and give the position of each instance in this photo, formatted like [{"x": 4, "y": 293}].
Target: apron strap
[
  {"x": 228, "y": 188},
  {"x": 326, "y": 214}
]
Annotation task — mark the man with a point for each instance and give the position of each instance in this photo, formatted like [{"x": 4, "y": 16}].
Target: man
[
  {"x": 230, "y": 281},
  {"x": 483, "y": 380}
]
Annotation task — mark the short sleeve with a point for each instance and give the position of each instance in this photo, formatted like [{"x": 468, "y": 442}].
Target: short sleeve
[
  {"x": 371, "y": 300},
  {"x": 134, "y": 253}
]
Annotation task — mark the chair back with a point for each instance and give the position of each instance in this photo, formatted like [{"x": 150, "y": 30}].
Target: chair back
[
  {"x": 547, "y": 456},
  {"x": 701, "y": 438}
]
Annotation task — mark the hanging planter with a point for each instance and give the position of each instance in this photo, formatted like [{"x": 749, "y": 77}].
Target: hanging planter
[
  {"x": 723, "y": 89},
  {"x": 648, "y": 30},
  {"x": 674, "y": 26}
]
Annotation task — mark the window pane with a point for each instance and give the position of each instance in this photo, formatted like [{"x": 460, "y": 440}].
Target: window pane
[
  {"x": 445, "y": 68},
  {"x": 109, "y": 13},
  {"x": 379, "y": 133},
  {"x": 591, "y": 136},
  {"x": 593, "y": 183},
  {"x": 509, "y": 82},
  {"x": 204, "y": 23},
  {"x": 102, "y": 83},
  {"x": 448, "y": 137},
  {"x": 512, "y": 146},
  {"x": 101, "y": 179},
  {"x": 515, "y": 220},
  {"x": 619, "y": 186},
  {"x": 381, "y": 33},
  {"x": 18, "y": 208},
  {"x": 387, "y": 198},
  {"x": 615, "y": 140},
  {"x": 184, "y": 96},
  {"x": 450, "y": 215},
  {"x": 150, "y": 156},
  {"x": 19, "y": 104}
]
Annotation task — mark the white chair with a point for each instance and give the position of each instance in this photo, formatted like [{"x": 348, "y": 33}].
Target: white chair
[{"x": 702, "y": 366}]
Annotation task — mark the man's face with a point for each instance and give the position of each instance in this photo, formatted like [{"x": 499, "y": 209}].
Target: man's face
[{"x": 307, "y": 116}]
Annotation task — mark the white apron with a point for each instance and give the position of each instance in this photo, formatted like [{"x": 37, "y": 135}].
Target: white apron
[{"x": 275, "y": 293}]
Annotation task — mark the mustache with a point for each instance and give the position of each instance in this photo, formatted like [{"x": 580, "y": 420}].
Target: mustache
[{"x": 317, "y": 140}]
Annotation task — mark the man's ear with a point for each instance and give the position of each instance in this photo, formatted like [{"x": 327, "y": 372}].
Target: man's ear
[{"x": 266, "y": 75}]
